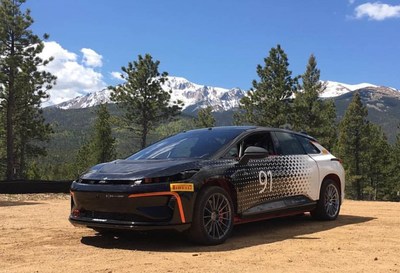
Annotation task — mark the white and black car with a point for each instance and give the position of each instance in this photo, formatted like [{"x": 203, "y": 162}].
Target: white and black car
[{"x": 205, "y": 181}]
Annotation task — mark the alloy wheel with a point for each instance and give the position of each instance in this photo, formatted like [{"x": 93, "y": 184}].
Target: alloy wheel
[{"x": 217, "y": 216}]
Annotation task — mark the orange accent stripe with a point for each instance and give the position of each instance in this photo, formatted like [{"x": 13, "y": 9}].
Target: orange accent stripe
[{"x": 178, "y": 198}]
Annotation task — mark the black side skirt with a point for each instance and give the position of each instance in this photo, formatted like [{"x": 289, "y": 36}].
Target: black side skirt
[{"x": 289, "y": 204}]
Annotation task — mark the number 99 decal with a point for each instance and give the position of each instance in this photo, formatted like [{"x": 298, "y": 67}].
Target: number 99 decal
[{"x": 264, "y": 178}]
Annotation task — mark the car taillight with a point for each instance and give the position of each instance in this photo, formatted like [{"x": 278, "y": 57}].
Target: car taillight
[
  {"x": 337, "y": 159},
  {"x": 76, "y": 213}
]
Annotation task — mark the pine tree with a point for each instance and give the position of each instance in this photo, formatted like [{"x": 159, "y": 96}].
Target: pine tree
[
  {"x": 84, "y": 158},
  {"x": 375, "y": 167},
  {"x": 174, "y": 127},
  {"x": 352, "y": 144},
  {"x": 103, "y": 143},
  {"x": 393, "y": 187},
  {"x": 23, "y": 85},
  {"x": 328, "y": 128},
  {"x": 267, "y": 103},
  {"x": 205, "y": 119},
  {"x": 99, "y": 147},
  {"x": 311, "y": 114},
  {"x": 307, "y": 104},
  {"x": 142, "y": 97}
]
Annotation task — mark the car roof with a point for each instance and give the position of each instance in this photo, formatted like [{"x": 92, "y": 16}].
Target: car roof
[{"x": 250, "y": 128}]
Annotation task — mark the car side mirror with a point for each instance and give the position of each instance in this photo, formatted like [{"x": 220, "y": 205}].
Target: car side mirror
[{"x": 253, "y": 152}]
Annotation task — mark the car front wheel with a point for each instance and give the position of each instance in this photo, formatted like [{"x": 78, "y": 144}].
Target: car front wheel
[
  {"x": 213, "y": 217},
  {"x": 328, "y": 205}
]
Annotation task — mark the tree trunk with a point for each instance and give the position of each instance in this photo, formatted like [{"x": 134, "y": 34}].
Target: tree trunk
[
  {"x": 358, "y": 172},
  {"x": 10, "y": 137},
  {"x": 10, "y": 173},
  {"x": 22, "y": 162},
  {"x": 144, "y": 136}
]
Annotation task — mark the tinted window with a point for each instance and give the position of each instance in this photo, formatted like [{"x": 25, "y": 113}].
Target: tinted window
[
  {"x": 263, "y": 140},
  {"x": 288, "y": 144},
  {"x": 307, "y": 145},
  {"x": 191, "y": 144}
]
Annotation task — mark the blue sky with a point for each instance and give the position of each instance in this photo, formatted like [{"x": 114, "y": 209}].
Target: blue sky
[{"x": 220, "y": 43}]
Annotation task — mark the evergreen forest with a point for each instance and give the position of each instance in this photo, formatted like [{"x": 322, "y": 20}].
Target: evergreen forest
[{"x": 52, "y": 144}]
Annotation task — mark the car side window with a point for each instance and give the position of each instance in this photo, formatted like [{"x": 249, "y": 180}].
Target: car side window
[
  {"x": 307, "y": 145},
  {"x": 288, "y": 144},
  {"x": 263, "y": 140}
]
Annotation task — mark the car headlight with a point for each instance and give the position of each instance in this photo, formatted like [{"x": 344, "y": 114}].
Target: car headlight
[{"x": 184, "y": 175}]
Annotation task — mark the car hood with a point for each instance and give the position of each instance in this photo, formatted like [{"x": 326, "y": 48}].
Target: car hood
[{"x": 138, "y": 169}]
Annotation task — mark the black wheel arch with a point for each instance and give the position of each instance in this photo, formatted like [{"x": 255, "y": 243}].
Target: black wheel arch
[
  {"x": 324, "y": 206},
  {"x": 222, "y": 183},
  {"x": 335, "y": 178}
]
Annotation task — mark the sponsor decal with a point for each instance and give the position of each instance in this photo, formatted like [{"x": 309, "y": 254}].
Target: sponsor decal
[{"x": 182, "y": 187}]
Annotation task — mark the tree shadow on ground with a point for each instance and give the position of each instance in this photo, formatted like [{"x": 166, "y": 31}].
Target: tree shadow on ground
[{"x": 243, "y": 236}]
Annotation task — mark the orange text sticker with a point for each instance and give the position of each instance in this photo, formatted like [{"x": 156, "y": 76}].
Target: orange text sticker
[{"x": 182, "y": 187}]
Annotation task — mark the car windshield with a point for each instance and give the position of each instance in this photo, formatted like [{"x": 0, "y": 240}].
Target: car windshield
[{"x": 191, "y": 144}]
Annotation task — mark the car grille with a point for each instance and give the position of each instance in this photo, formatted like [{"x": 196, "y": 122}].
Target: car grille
[
  {"x": 115, "y": 216},
  {"x": 144, "y": 214}
]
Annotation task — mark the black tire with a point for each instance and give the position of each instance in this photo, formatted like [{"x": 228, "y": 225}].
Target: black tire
[
  {"x": 328, "y": 205},
  {"x": 212, "y": 220}
]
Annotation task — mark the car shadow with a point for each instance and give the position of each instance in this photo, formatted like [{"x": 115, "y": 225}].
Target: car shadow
[
  {"x": 17, "y": 203},
  {"x": 243, "y": 236}
]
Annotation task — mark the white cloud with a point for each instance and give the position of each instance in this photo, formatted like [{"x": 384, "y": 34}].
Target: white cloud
[
  {"x": 73, "y": 78},
  {"x": 53, "y": 49},
  {"x": 377, "y": 11},
  {"x": 117, "y": 75},
  {"x": 351, "y": 2},
  {"x": 91, "y": 57}
]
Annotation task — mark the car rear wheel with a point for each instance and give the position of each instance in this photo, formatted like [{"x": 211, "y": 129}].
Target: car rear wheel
[
  {"x": 328, "y": 205},
  {"x": 212, "y": 218}
]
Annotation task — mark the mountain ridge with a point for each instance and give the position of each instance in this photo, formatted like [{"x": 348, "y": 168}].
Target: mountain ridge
[{"x": 197, "y": 96}]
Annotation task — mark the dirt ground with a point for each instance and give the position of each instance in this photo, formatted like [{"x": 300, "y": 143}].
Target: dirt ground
[{"x": 35, "y": 236}]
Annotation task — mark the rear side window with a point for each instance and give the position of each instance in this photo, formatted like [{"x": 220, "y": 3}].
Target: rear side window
[
  {"x": 307, "y": 145},
  {"x": 288, "y": 144}
]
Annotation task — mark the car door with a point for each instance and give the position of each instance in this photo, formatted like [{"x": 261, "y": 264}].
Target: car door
[
  {"x": 276, "y": 182},
  {"x": 301, "y": 171}
]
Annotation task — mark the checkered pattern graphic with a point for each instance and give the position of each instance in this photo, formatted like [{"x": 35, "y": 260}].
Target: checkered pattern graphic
[{"x": 290, "y": 176}]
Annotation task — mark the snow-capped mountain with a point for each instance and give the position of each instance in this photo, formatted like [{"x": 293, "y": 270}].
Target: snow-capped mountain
[
  {"x": 196, "y": 96},
  {"x": 88, "y": 100},
  {"x": 335, "y": 89}
]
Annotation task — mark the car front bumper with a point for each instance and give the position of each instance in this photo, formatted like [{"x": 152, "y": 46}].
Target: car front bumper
[
  {"x": 124, "y": 225},
  {"x": 149, "y": 207}
]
